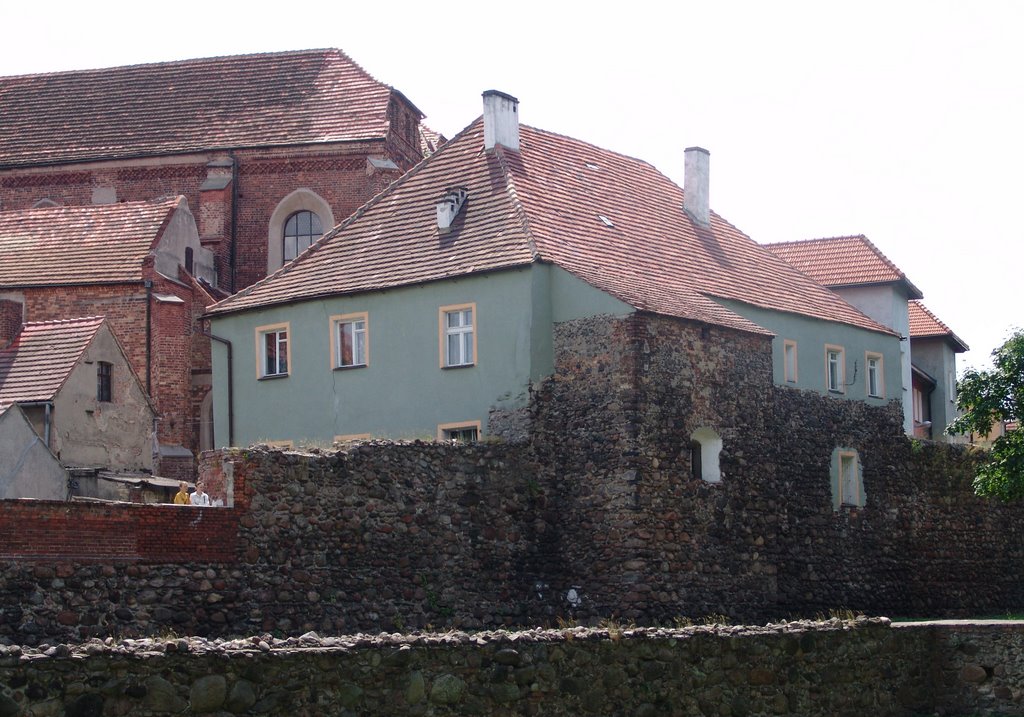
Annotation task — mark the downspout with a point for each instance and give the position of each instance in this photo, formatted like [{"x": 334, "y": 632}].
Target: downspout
[
  {"x": 234, "y": 221},
  {"x": 231, "y": 383},
  {"x": 148, "y": 283}
]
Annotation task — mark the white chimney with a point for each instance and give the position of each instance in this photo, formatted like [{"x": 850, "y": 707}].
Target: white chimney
[
  {"x": 501, "y": 120},
  {"x": 448, "y": 207},
  {"x": 696, "y": 178}
]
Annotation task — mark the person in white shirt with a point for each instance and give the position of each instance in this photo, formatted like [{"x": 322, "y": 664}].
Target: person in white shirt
[{"x": 200, "y": 497}]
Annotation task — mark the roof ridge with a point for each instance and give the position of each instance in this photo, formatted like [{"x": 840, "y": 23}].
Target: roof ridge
[
  {"x": 187, "y": 61},
  {"x": 599, "y": 148}
]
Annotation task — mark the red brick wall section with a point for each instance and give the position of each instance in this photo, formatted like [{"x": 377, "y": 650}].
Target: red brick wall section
[
  {"x": 122, "y": 532},
  {"x": 10, "y": 320}
]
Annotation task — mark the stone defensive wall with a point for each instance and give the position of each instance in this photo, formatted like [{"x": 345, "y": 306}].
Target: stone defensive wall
[
  {"x": 598, "y": 513},
  {"x": 827, "y": 669}
]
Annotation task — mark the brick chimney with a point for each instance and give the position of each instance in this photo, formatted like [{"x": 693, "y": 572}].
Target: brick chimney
[
  {"x": 501, "y": 120},
  {"x": 696, "y": 179},
  {"x": 11, "y": 314}
]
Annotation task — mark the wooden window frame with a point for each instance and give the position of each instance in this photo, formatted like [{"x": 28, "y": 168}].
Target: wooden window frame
[
  {"x": 841, "y": 369},
  {"x": 443, "y": 333},
  {"x": 261, "y": 332},
  {"x": 786, "y": 345},
  {"x": 336, "y": 322},
  {"x": 870, "y": 356}
]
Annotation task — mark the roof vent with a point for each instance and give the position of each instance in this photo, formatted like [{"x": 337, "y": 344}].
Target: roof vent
[
  {"x": 501, "y": 120},
  {"x": 448, "y": 207},
  {"x": 696, "y": 178}
]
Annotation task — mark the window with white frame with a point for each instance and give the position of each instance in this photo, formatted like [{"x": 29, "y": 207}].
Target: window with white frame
[
  {"x": 272, "y": 351},
  {"x": 789, "y": 361},
  {"x": 458, "y": 335},
  {"x": 705, "y": 449},
  {"x": 350, "y": 340},
  {"x": 300, "y": 230},
  {"x": 835, "y": 368},
  {"x": 464, "y": 432},
  {"x": 951, "y": 378},
  {"x": 847, "y": 479},
  {"x": 875, "y": 375}
]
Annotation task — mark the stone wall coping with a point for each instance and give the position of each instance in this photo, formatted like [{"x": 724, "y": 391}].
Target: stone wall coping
[{"x": 311, "y": 641}]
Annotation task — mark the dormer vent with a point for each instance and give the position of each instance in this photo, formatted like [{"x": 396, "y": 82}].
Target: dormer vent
[
  {"x": 501, "y": 120},
  {"x": 448, "y": 207}
]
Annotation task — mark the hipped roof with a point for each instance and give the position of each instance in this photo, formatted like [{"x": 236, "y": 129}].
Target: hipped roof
[{"x": 611, "y": 220}]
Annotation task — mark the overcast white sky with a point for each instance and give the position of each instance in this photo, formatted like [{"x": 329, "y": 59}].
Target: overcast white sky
[{"x": 901, "y": 120}]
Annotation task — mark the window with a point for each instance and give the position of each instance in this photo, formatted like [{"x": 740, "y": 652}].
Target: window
[
  {"x": 349, "y": 345},
  {"x": 103, "y": 370},
  {"x": 835, "y": 368},
  {"x": 458, "y": 335},
  {"x": 273, "y": 355},
  {"x": 789, "y": 360},
  {"x": 847, "y": 479},
  {"x": 465, "y": 432},
  {"x": 951, "y": 378},
  {"x": 705, "y": 448},
  {"x": 875, "y": 377},
  {"x": 300, "y": 230}
]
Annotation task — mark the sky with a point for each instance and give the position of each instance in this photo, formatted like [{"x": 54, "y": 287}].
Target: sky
[{"x": 900, "y": 120}]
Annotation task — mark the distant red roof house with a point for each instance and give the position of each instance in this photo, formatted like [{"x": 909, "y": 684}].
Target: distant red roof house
[
  {"x": 74, "y": 383},
  {"x": 143, "y": 267},
  {"x": 843, "y": 261},
  {"x": 924, "y": 324},
  {"x": 304, "y": 131}
]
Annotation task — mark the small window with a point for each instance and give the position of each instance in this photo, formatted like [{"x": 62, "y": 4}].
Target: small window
[
  {"x": 349, "y": 340},
  {"x": 875, "y": 375},
  {"x": 705, "y": 449},
  {"x": 835, "y": 368},
  {"x": 272, "y": 351},
  {"x": 300, "y": 230},
  {"x": 103, "y": 372},
  {"x": 189, "y": 253},
  {"x": 789, "y": 360},
  {"x": 847, "y": 479},
  {"x": 458, "y": 335},
  {"x": 951, "y": 377},
  {"x": 466, "y": 432}
]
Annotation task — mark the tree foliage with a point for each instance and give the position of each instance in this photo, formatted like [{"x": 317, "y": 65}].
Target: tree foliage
[{"x": 986, "y": 397}]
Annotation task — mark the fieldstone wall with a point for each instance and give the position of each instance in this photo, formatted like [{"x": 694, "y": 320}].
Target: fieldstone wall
[
  {"x": 598, "y": 515},
  {"x": 829, "y": 669}
]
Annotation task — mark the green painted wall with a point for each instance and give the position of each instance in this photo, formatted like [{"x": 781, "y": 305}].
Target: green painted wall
[
  {"x": 811, "y": 336},
  {"x": 403, "y": 392}
]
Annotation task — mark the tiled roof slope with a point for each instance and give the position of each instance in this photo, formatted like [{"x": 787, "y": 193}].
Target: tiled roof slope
[
  {"x": 843, "y": 261},
  {"x": 546, "y": 203},
  {"x": 283, "y": 98},
  {"x": 925, "y": 324},
  {"x": 35, "y": 366},
  {"x": 91, "y": 244}
]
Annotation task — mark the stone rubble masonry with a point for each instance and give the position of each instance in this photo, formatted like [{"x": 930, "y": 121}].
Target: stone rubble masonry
[
  {"x": 861, "y": 667},
  {"x": 596, "y": 515}
]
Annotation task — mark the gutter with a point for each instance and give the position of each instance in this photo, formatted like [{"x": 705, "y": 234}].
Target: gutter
[{"x": 231, "y": 383}]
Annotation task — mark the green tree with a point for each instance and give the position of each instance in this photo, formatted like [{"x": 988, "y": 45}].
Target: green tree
[{"x": 985, "y": 397}]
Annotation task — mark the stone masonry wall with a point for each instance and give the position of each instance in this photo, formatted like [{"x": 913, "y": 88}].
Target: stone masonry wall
[
  {"x": 831, "y": 669},
  {"x": 598, "y": 516}
]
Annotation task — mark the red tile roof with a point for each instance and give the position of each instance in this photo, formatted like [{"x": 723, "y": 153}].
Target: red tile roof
[
  {"x": 925, "y": 324},
  {"x": 36, "y": 364},
  {"x": 282, "y": 98},
  {"x": 92, "y": 244},
  {"x": 546, "y": 204},
  {"x": 843, "y": 261}
]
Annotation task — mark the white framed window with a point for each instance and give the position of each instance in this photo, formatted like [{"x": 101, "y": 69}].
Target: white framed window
[
  {"x": 835, "y": 368},
  {"x": 875, "y": 375},
  {"x": 350, "y": 345},
  {"x": 705, "y": 449},
  {"x": 462, "y": 432},
  {"x": 301, "y": 229},
  {"x": 273, "y": 351},
  {"x": 951, "y": 378},
  {"x": 848, "y": 482},
  {"x": 458, "y": 335},
  {"x": 789, "y": 361}
]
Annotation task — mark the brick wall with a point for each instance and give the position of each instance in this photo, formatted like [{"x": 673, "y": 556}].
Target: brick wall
[{"x": 10, "y": 320}]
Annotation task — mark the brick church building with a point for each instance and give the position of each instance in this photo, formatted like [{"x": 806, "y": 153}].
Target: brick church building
[{"x": 269, "y": 151}]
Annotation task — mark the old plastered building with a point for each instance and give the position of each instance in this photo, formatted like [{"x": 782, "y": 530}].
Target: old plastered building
[
  {"x": 141, "y": 266},
  {"x": 270, "y": 150}
]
